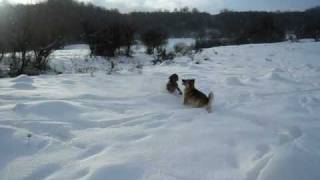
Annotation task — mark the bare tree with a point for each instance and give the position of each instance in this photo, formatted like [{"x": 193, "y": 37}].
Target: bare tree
[
  {"x": 20, "y": 37},
  {"x": 128, "y": 37},
  {"x": 45, "y": 40},
  {"x": 1, "y": 55},
  {"x": 2, "y": 48},
  {"x": 41, "y": 55},
  {"x": 4, "y": 14},
  {"x": 30, "y": 40}
]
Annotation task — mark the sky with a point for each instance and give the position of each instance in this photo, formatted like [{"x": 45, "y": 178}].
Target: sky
[{"x": 211, "y": 6}]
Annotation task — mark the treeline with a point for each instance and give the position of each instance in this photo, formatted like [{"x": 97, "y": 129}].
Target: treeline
[
  {"x": 31, "y": 32},
  {"x": 248, "y": 25},
  {"x": 68, "y": 20}
]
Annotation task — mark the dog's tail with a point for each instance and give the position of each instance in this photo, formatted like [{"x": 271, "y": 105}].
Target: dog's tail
[{"x": 211, "y": 99}]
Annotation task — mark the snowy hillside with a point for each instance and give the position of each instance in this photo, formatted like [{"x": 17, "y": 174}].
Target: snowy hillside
[{"x": 125, "y": 126}]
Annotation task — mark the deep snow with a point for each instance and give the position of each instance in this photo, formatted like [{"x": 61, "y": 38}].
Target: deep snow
[{"x": 125, "y": 126}]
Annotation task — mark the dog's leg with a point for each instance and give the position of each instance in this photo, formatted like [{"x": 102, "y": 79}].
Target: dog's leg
[
  {"x": 185, "y": 101},
  {"x": 178, "y": 89},
  {"x": 211, "y": 99}
]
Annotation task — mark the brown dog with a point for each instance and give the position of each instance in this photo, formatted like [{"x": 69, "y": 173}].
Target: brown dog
[
  {"x": 196, "y": 98},
  {"x": 172, "y": 85}
]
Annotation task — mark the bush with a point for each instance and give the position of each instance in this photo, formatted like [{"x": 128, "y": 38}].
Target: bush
[
  {"x": 317, "y": 37},
  {"x": 1, "y": 54},
  {"x": 182, "y": 49},
  {"x": 32, "y": 62},
  {"x": 105, "y": 42},
  {"x": 109, "y": 40},
  {"x": 263, "y": 30},
  {"x": 292, "y": 37},
  {"x": 18, "y": 64},
  {"x": 161, "y": 55},
  {"x": 27, "y": 39},
  {"x": 154, "y": 39},
  {"x": 206, "y": 43},
  {"x": 311, "y": 31},
  {"x": 41, "y": 54},
  {"x": 2, "y": 47}
]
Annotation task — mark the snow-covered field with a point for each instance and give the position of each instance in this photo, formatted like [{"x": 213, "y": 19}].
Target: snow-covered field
[{"x": 125, "y": 126}]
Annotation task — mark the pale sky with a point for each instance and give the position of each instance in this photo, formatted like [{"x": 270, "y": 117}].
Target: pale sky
[{"x": 211, "y": 6}]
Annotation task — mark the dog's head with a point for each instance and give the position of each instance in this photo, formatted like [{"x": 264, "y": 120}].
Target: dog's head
[
  {"x": 174, "y": 78},
  {"x": 189, "y": 83}
]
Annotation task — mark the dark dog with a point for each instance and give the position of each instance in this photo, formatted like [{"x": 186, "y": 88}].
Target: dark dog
[
  {"x": 196, "y": 98},
  {"x": 172, "y": 85}
]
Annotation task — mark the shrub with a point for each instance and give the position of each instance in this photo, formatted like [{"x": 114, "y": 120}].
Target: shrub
[
  {"x": 154, "y": 39},
  {"x": 310, "y": 30},
  {"x": 206, "y": 43},
  {"x": 161, "y": 55},
  {"x": 2, "y": 47},
  {"x": 109, "y": 40},
  {"x": 1, "y": 54},
  {"x": 27, "y": 40},
  {"x": 317, "y": 36},
  {"x": 263, "y": 30},
  {"x": 182, "y": 49}
]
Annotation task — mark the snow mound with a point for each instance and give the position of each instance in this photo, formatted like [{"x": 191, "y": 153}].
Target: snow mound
[
  {"x": 50, "y": 109},
  {"x": 42, "y": 172},
  {"x": 252, "y": 80},
  {"x": 233, "y": 81},
  {"x": 23, "y": 82},
  {"x": 23, "y": 86},
  {"x": 76, "y": 46},
  {"x": 275, "y": 76},
  {"x": 277, "y": 70},
  {"x": 118, "y": 172},
  {"x": 17, "y": 140},
  {"x": 293, "y": 160},
  {"x": 23, "y": 79},
  {"x": 8, "y": 143},
  {"x": 174, "y": 41}
]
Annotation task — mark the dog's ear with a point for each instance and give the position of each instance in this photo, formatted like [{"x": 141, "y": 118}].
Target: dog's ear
[
  {"x": 192, "y": 81},
  {"x": 174, "y": 77}
]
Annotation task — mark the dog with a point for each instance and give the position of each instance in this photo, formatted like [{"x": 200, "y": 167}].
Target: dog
[
  {"x": 172, "y": 85},
  {"x": 196, "y": 98}
]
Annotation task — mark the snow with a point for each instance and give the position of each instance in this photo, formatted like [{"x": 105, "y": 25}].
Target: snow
[
  {"x": 89, "y": 124},
  {"x": 173, "y": 41},
  {"x": 233, "y": 81},
  {"x": 49, "y": 109}
]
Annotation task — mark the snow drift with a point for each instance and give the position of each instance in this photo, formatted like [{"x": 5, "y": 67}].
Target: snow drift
[{"x": 265, "y": 124}]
